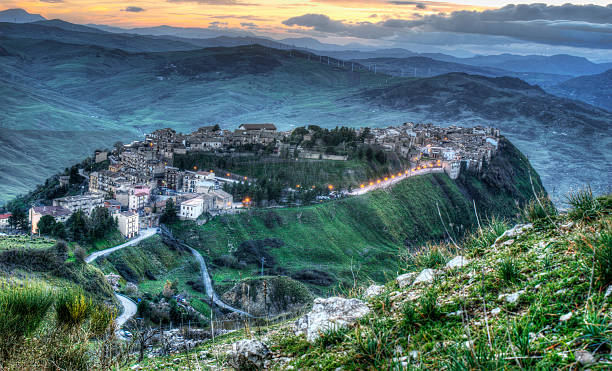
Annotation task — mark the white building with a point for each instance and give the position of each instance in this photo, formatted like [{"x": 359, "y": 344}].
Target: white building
[
  {"x": 127, "y": 223},
  {"x": 223, "y": 200},
  {"x": 192, "y": 209}
]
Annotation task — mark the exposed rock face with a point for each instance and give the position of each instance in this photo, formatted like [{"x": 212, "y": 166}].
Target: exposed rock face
[
  {"x": 372, "y": 291},
  {"x": 248, "y": 355},
  {"x": 330, "y": 313},
  {"x": 457, "y": 262},
  {"x": 405, "y": 279},
  {"x": 513, "y": 232},
  {"x": 426, "y": 275},
  {"x": 268, "y": 296}
]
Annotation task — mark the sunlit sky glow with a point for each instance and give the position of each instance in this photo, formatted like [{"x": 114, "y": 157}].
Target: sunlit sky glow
[{"x": 481, "y": 25}]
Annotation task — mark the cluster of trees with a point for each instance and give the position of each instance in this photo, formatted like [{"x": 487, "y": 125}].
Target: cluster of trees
[{"x": 79, "y": 227}]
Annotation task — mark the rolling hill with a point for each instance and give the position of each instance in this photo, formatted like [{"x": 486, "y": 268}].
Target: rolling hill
[
  {"x": 95, "y": 95},
  {"x": 593, "y": 89}
]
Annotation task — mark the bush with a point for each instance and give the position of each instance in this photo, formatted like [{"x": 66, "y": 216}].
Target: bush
[
  {"x": 72, "y": 308},
  {"x": 428, "y": 257},
  {"x": 102, "y": 320},
  {"x": 584, "y": 205},
  {"x": 22, "y": 309},
  {"x": 540, "y": 210},
  {"x": 428, "y": 304},
  {"x": 80, "y": 254},
  {"x": 603, "y": 257},
  {"x": 485, "y": 236},
  {"x": 508, "y": 271}
]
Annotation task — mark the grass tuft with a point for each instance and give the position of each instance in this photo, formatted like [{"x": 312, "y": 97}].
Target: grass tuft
[{"x": 585, "y": 206}]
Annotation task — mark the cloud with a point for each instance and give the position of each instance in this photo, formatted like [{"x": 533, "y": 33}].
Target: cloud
[
  {"x": 416, "y": 4},
  {"x": 324, "y": 24},
  {"x": 249, "y": 25},
  {"x": 587, "y": 26},
  {"x": 134, "y": 9},
  {"x": 52, "y": 1},
  {"x": 212, "y": 2}
]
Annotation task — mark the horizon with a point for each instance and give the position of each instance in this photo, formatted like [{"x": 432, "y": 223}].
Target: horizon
[{"x": 461, "y": 29}]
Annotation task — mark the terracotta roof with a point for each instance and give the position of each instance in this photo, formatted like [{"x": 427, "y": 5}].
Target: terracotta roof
[{"x": 5, "y": 216}]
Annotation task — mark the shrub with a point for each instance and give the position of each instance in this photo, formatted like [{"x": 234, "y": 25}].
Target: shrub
[
  {"x": 102, "y": 320},
  {"x": 428, "y": 304},
  {"x": 486, "y": 235},
  {"x": 540, "y": 210},
  {"x": 428, "y": 257},
  {"x": 72, "y": 308},
  {"x": 80, "y": 255},
  {"x": 332, "y": 336},
  {"x": 508, "y": 270},
  {"x": 584, "y": 205},
  {"x": 22, "y": 310},
  {"x": 603, "y": 257}
]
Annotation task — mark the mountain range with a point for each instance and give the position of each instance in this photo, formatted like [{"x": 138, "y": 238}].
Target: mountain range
[{"x": 63, "y": 84}]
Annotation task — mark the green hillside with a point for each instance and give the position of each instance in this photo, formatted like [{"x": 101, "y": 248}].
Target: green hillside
[
  {"x": 538, "y": 300},
  {"x": 330, "y": 244}
]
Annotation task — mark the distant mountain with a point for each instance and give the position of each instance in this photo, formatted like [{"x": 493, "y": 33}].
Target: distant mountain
[
  {"x": 65, "y": 32},
  {"x": 593, "y": 89},
  {"x": 428, "y": 67},
  {"x": 19, "y": 16},
  {"x": 184, "y": 32},
  {"x": 58, "y": 23},
  {"x": 561, "y": 64},
  {"x": 97, "y": 87}
]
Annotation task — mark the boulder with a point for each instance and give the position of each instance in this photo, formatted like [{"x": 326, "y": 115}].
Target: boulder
[
  {"x": 330, "y": 313},
  {"x": 457, "y": 262},
  {"x": 248, "y": 354},
  {"x": 405, "y": 279},
  {"x": 584, "y": 357},
  {"x": 426, "y": 275},
  {"x": 513, "y": 232},
  {"x": 372, "y": 291}
]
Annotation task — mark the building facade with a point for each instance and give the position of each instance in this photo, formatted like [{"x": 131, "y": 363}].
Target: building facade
[{"x": 127, "y": 222}]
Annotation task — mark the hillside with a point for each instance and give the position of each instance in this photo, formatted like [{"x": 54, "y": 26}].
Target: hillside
[
  {"x": 536, "y": 296},
  {"x": 551, "y": 131},
  {"x": 593, "y": 89},
  {"x": 330, "y": 245},
  {"x": 420, "y": 66},
  {"x": 66, "y": 90}
]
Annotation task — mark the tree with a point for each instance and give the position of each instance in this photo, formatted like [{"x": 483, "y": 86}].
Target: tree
[
  {"x": 78, "y": 229},
  {"x": 216, "y": 127},
  {"x": 169, "y": 214},
  {"x": 19, "y": 220},
  {"x": 46, "y": 225}
]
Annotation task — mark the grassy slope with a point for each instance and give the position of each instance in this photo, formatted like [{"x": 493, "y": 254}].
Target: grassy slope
[
  {"x": 555, "y": 273},
  {"x": 368, "y": 231},
  {"x": 150, "y": 264},
  {"x": 34, "y": 259}
]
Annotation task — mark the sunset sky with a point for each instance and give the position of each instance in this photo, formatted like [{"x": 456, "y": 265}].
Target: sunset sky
[{"x": 492, "y": 26}]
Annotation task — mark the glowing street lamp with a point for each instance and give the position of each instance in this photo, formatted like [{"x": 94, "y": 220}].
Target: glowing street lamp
[
  {"x": 371, "y": 183},
  {"x": 377, "y": 180},
  {"x": 386, "y": 178},
  {"x": 195, "y": 168},
  {"x": 330, "y": 187},
  {"x": 393, "y": 176},
  {"x": 362, "y": 186}
]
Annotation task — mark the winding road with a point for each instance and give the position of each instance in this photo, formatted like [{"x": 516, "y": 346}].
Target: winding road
[{"x": 141, "y": 236}]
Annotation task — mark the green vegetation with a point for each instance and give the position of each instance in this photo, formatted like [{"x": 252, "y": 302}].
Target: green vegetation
[
  {"x": 159, "y": 272},
  {"x": 32, "y": 336},
  {"x": 462, "y": 319}
]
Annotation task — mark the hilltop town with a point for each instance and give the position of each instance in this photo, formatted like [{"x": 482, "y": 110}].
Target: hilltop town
[{"x": 135, "y": 181}]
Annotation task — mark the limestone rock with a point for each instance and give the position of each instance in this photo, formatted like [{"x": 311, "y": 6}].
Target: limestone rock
[
  {"x": 330, "y": 313},
  {"x": 584, "y": 357},
  {"x": 373, "y": 290},
  {"x": 405, "y": 279},
  {"x": 457, "y": 262},
  {"x": 514, "y": 232},
  {"x": 426, "y": 275},
  {"x": 248, "y": 355}
]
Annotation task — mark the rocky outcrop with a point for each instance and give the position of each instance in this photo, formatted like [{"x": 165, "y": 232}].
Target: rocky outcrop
[
  {"x": 248, "y": 354},
  {"x": 268, "y": 296},
  {"x": 328, "y": 314},
  {"x": 372, "y": 291}
]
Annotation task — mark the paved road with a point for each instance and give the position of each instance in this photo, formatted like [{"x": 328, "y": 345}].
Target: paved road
[
  {"x": 392, "y": 181},
  {"x": 146, "y": 233},
  {"x": 210, "y": 291},
  {"x": 129, "y": 310}
]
